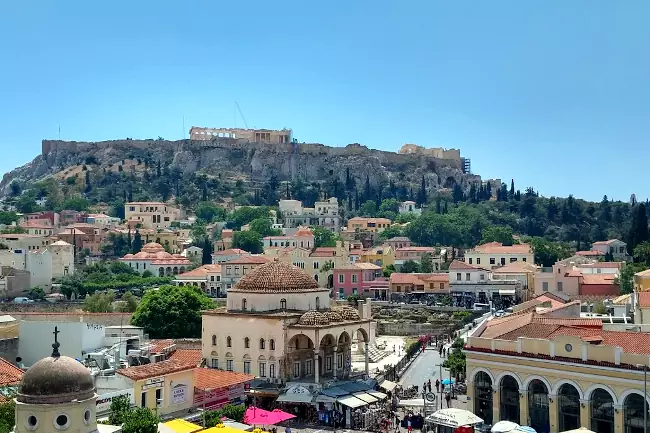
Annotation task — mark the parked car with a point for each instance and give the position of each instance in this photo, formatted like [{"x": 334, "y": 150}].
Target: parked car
[{"x": 23, "y": 300}]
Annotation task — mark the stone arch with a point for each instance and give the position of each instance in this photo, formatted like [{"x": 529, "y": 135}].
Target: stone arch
[
  {"x": 344, "y": 338},
  {"x": 181, "y": 284},
  {"x": 503, "y": 374},
  {"x": 477, "y": 370},
  {"x": 607, "y": 388},
  {"x": 328, "y": 340},
  {"x": 364, "y": 335},
  {"x": 532, "y": 377},
  {"x": 175, "y": 270},
  {"x": 300, "y": 342},
  {"x": 182, "y": 269},
  {"x": 625, "y": 394},
  {"x": 168, "y": 271},
  {"x": 161, "y": 272},
  {"x": 559, "y": 383}
]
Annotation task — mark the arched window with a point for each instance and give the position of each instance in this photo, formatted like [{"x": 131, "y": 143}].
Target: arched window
[
  {"x": 317, "y": 303},
  {"x": 633, "y": 413},
  {"x": 229, "y": 342},
  {"x": 214, "y": 340},
  {"x": 247, "y": 342},
  {"x": 272, "y": 344},
  {"x": 483, "y": 396},
  {"x": 509, "y": 399},
  {"x": 243, "y": 304},
  {"x": 283, "y": 304},
  {"x": 316, "y": 277},
  {"x": 568, "y": 402},
  {"x": 538, "y": 405},
  {"x": 262, "y": 343},
  {"x": 602, "y": 411}
]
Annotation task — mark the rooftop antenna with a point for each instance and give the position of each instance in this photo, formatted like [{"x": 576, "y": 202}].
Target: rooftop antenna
[
  {"x": 59, "y": 132},
  {"x": 241, "y": 114}
]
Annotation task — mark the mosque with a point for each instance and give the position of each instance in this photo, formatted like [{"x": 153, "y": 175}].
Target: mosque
[{"x": 58, "y": 393}]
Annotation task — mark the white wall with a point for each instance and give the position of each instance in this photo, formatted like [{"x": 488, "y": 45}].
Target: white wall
[{"x": 36, "y": 338}]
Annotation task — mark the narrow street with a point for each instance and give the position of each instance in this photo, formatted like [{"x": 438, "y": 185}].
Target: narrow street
[{"x": 425, "y": 367}]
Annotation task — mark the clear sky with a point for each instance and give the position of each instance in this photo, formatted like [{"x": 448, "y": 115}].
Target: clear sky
[{"x": 552, "y": 93}]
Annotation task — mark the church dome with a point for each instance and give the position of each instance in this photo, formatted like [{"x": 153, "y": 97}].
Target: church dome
[
  {"x": 312, "y": 318},
  {"x": 333, "y": 316},
  {"x": 349, "y": 313},
  {"x": 56, "y": 379},
  {"x": 275, "y": 277},
  {"x": 153, "y": 248}
]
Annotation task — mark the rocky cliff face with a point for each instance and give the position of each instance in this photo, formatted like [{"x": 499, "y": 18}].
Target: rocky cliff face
[{"x": 248, "y": 161}]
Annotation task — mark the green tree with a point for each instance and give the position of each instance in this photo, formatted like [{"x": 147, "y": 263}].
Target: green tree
[
  {"x": 642, "y": 253},
  {"x": 245, "y": 215},
  {"x": 426, "y": 263},
  {"x": 324, "y": 237},
  {"x": 136, "y": 246},
  {"x": 232, "y": 411},
  {"x": 263, "y": 227},
  {"x": 368, "y": 209},
  {"x": 7, "y": 415},
  {"x": 172, "y": 312},
  {"x": 120, "y": 407},
  {"x": 77, "y": 203},
  {"x": 548, "y": 252},
  {"x": 388, "y": 270},
  {"x": 209, "y": 212},
  {"x": 117, "y": 246},
  {"x": 410, "y": 267},
  {"x": 7, "y": 218},
  {"x": 206, "y": 253},
  {"x": 625, "y": 280},
  {"x": 128, "y": 303},
  {"x": 391, "y": 232},
  {"x": 121, "y": 268},
  {"x": 36, "y": 294},
  {"x": 248, "y": 241},
  {"x": 502, "y": 234},
  {"x": 140, "y": 420},
  {"x": 456, "y": 362},
  {"x": 99, "y": 303}
]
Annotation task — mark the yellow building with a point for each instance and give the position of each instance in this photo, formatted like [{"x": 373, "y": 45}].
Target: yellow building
[
  {"x": 151, "y": 215},
  {"x": 167, "y": 386},
  {"x": 557, "y": 374},
  {"x": 375, "y": 225},
  {"x": 382, "y": 256},
  {"x": 642, "y": 281}
]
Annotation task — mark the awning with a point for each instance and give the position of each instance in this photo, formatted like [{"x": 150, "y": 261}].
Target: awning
[
  {"x": 506, "y": 291},
  {"x": 322, "y": 398},
  {"x": 377, "y": 394},
  {"x": 295, "y": 398},
  {"x": 351, "y": 401},
  {"x": 388, "y": 385},
  {"x": 453, "y": 417},
  {"x": 411, "y": 402},
  {"x": 365, "y": 397}
]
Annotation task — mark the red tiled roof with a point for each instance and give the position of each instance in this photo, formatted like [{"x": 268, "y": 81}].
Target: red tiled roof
[
  {"x": 601, "y": 265},
  {"x": 589, "y": 253},
  {"x": 323, "y": 252},
  {"x": 209, "y": 378},
  {"x": 598, "y": 279},
  {"x": 515, "y": 268},
  {"x": 499, "y": 248},
  {"x": 399, "y": 278},
  {"x": 606, "y": 242},
  {"x": 458, "y": 265},
  {"x": 425, "y": 249},
  {"x": 231, "y": 252},
  {"x": 9, "y": 373},
  {"x": 201, "y": 272},
  {"x": 441, "y": 277},
  {"x": 140, "y": 372},
  {"x": 188, "y": 356},
  {"x": 248, "y": 260},
  {"x": 158, "y": 346},
  {"x": 644, "y": 299}
]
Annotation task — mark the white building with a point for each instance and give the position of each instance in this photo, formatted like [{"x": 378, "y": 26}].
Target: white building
[
  {"x": 470, "y": 284},
  {"x": 152, "y": 215},
  {"x": 303, "y": 238},
  {"x": 80, "y": 338},
  {"x": 228, "y": 255},
  {"x": 324, "y": 214},
  {"x": 618, "y": 249},
  {"x": 495, "y": 254},
  {"x": 155, "y": 259},
  {"x": 55, "y": 261},
  {"x": 279, "y": 326},
  {"x": 24, "y": 242},
  {"x": 409, "y": 207},
  {"x": 207, "y": 277}
]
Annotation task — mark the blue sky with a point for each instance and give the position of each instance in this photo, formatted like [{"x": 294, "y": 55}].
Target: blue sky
[{"x": 554, "y": 93}]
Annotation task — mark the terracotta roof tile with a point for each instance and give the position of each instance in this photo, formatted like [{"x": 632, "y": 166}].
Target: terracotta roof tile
[
  {"x": 209, "y": 378},
  {"x": 201, "y": 272},
  {"x": 499, "y": 248},
  {"x": 276, "y": 276},
  {"x": 400, "y": 278},
  {"x": 458, "y": 265},
  {"x": 515, "y": 268},
  {"x": 644, "y": 299},
  {"x": 231, "y": 252},
  {"x": 158, "y": 346},
  {"x": 248, "y": 260},
  {"x": 598, "y": 279},
  {"x": 589, "y": 253},
  {"x": 606, "y": 242},
  {"x": 9, "y": 373},
  {"x": 140, "y": 372},
  {"x": 189, "y": 356}
]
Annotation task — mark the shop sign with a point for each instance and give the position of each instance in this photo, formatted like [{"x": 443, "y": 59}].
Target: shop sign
[{"x": 179, "y": 394}]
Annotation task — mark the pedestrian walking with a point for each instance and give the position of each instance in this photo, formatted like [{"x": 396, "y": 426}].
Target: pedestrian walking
[
  {"x": 448, "y": 398},
  {"x": 287, "y": 429},
  {"x": 437, "y": 385},
  {"x": 409, "y": 427},
  {"x": 396, "y": 422}
]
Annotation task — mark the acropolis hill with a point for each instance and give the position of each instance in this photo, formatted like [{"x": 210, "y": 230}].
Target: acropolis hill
[{"x": 255, "y": 155}]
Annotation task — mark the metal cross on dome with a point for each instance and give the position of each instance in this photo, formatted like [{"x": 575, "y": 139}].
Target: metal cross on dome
[{"x": 56, "y": 344}]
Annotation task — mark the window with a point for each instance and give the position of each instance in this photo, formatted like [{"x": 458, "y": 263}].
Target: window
[
  {"x": 229, "y": 364},
  {"x": 262, "y": 343},
  {"x": 243, "y": 304},
  {"x": 545, "y": 286},
  {"x": 523, "y": 259},
  {"x": 229, "y": 342},
  {"x": 159, "y": 398},
  {"x": 513, "y": 259},
  {"x": 309, "y": 364},
  {"x": 247, "y": 367},
  {"x": 296, "y": 369},
  {"x": 316, "y": 265},
  {"x": 317, "y": 303},
  {"x": 482, "y": 277},
  {"x": 339, "y": 360},
  {"x": 354, "y": 278},
  {"x": 215, "y": 363},
  {"x": 272, "y": 344},
  {"x": 341, "y": 278},
  {"x": 492, "y": 261},
  {"x": 559, "y": 286},
  {"x": 355, "y": 291},
  {"x": 262, "y": 369},
  {"x": 459, "y": 277},
  {"x": 470, "y": 260},
  {"x": 503, "y": 261},
  {"x": 478, "y": 260},
  {"x": 283, "y": 305},
  {"x": 328, "y": 363},
  {"x": 467, "y": 276},
  {"x": 272, "y": 370},
  {"x": 247, "y": 343},
  {"x": 143, "y": 399},
  {"x": 214, "y": 340},
  {"x": 621, "y": 250}
]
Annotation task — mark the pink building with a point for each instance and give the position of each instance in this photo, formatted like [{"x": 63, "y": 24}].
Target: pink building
[{"x": 359, "y": 279}]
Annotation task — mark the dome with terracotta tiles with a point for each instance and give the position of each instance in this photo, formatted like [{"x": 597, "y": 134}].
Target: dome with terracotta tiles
[
  {"x": 333, "y": 316},
  {"x": 276, "y": 277},
  {"x": 313, "y": 318},
  {"x": 349, "y": 313}
]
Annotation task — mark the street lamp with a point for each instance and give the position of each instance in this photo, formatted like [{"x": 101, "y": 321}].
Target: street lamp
[{"x": 645, "y": 396}]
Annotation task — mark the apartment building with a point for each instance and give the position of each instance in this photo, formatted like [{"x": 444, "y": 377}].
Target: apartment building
[
  {"x": 495, "y": 254},
  {"x": 323, "y": 214},
  {"x": 470, "y": 284},
  {"x": 373, "y": 225},
  {"x": 151, "y": 215},
  {"x": 234, "y": 270}
]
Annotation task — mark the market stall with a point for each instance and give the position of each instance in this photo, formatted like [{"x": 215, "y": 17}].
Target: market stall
[{"x": 448, "y": 420}]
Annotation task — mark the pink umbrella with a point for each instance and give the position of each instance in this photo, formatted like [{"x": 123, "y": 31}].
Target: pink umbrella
[
  {"x": 255, "y": 415},
  {"x": 278, "y": 415}
]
